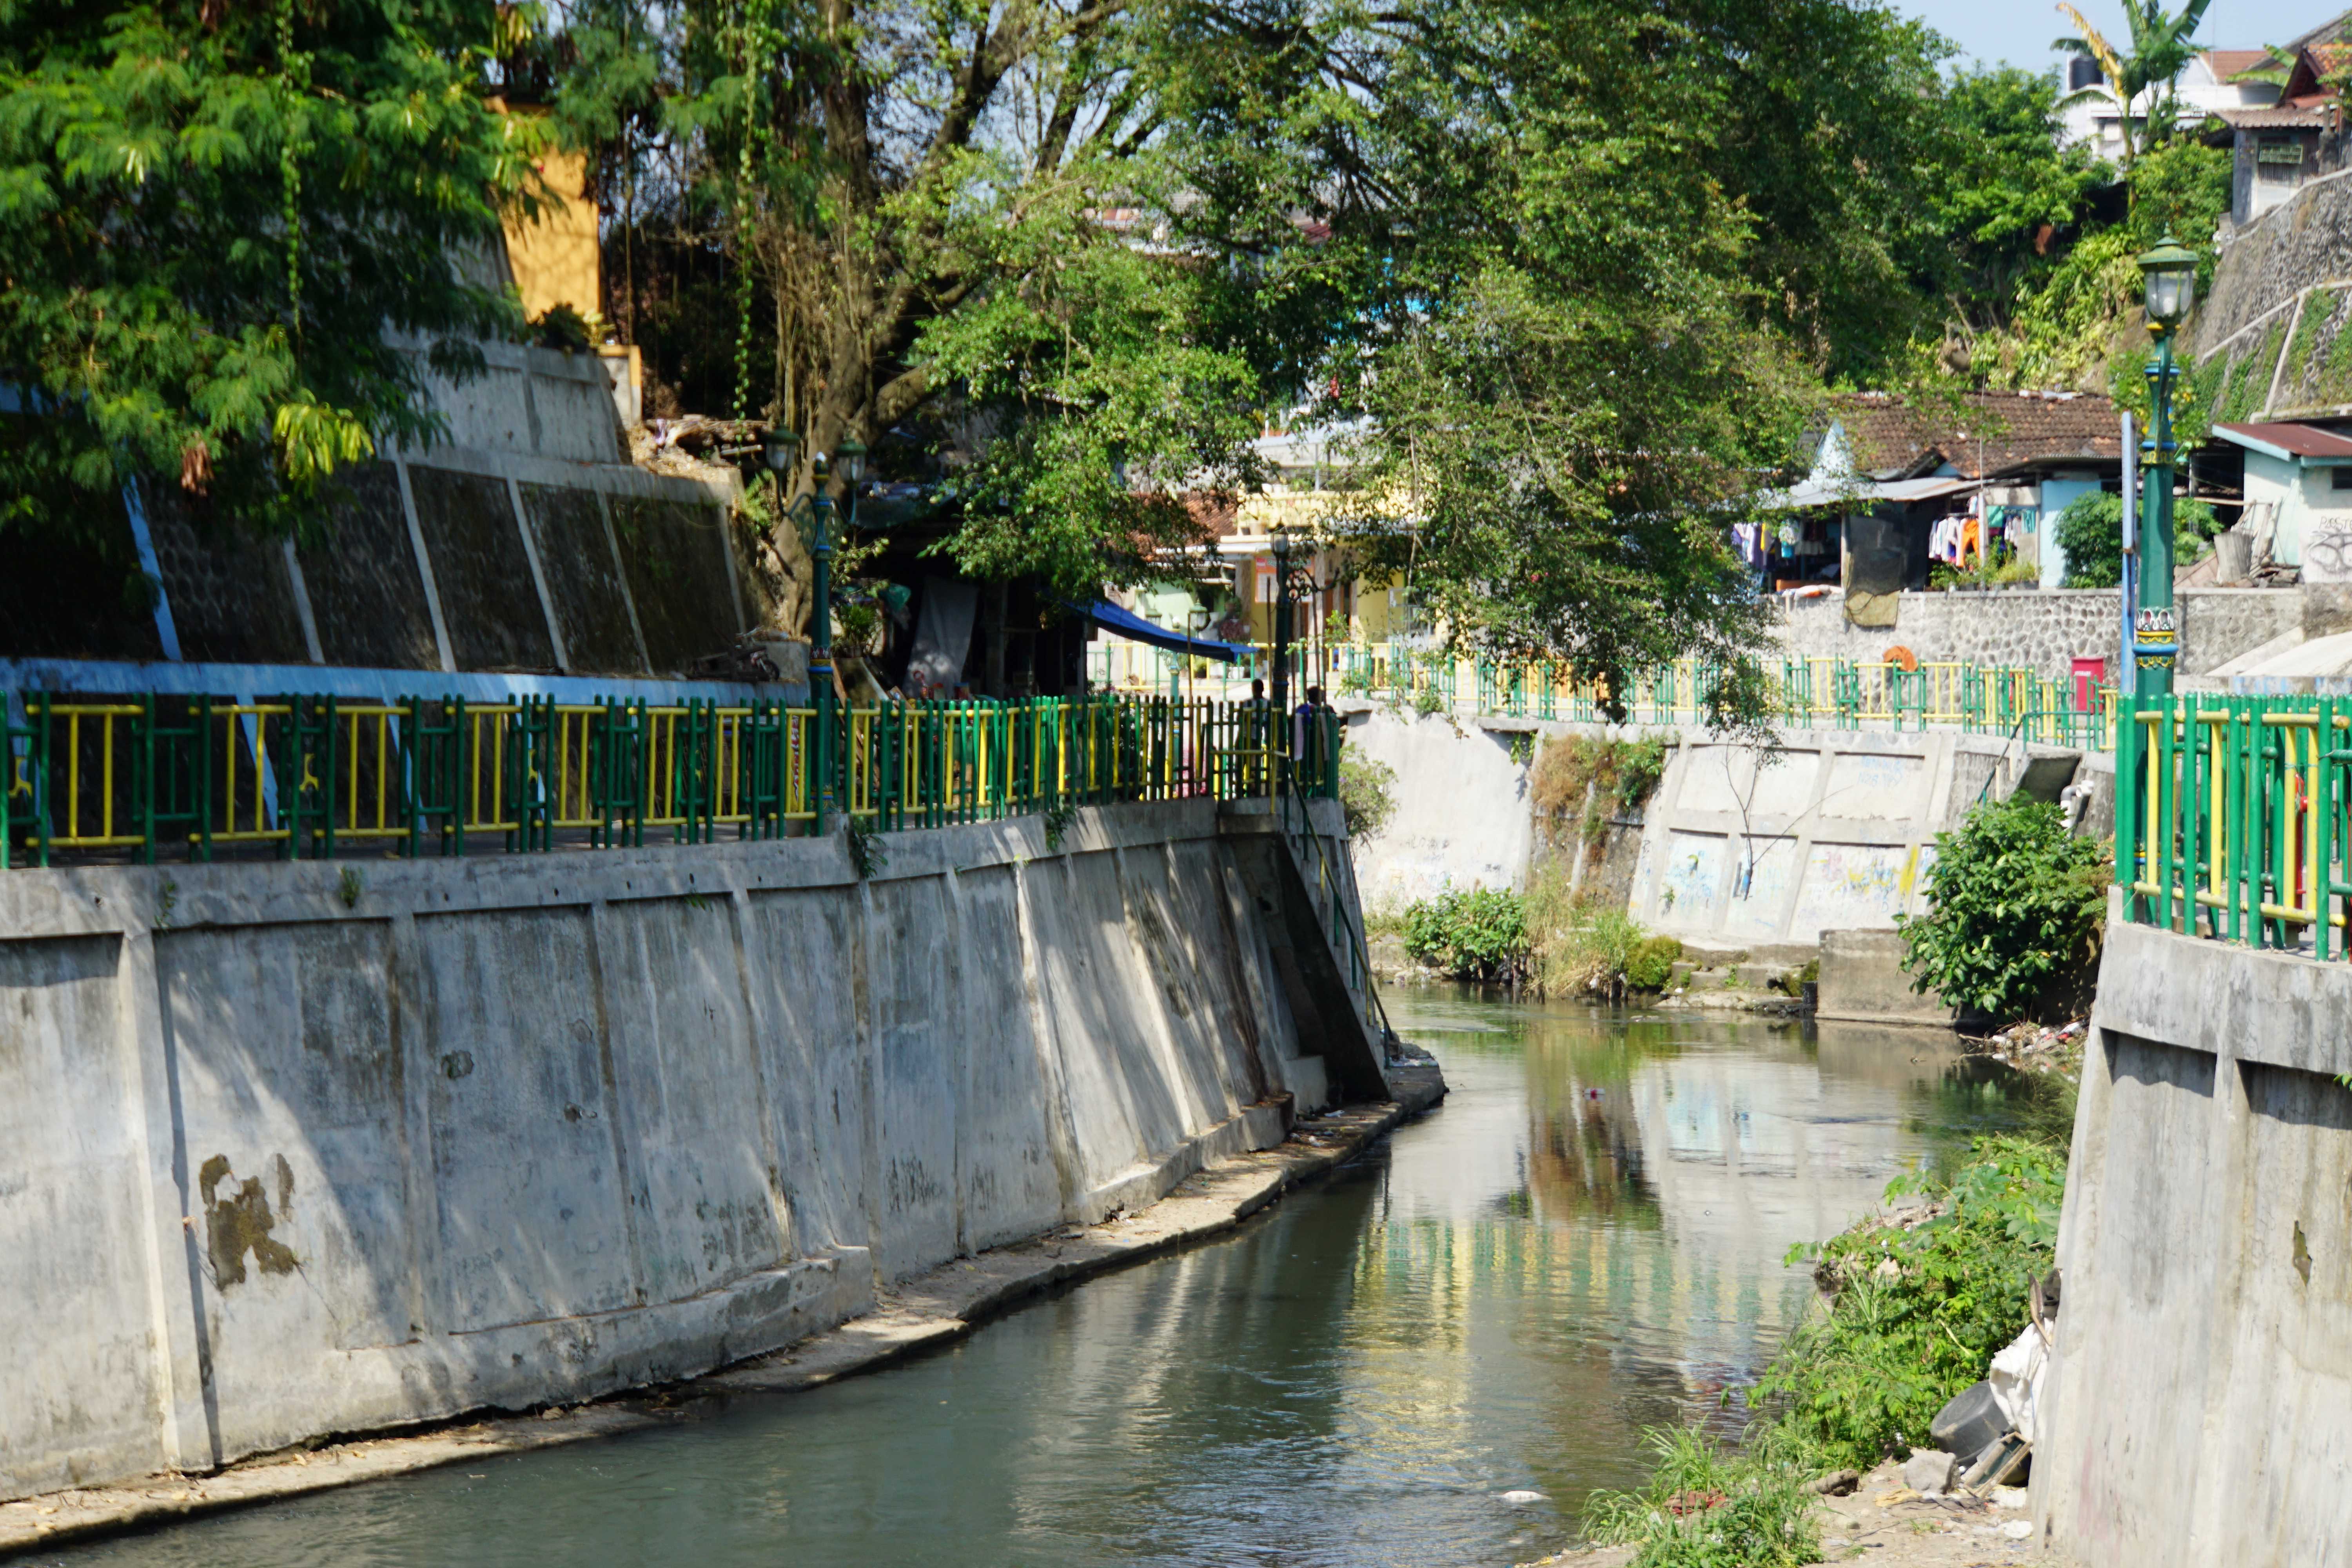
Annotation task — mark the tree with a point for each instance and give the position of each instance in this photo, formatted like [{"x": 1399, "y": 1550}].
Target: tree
[
  {"x": 1573, "y": 380},
  {"x": 228, "y": 234},
  {"x": 2090, "y": 534},
  {"x": 2140, "y": 81},
  {"x": 952, "y": 225},
  {"x": 2011, "y": 185}
]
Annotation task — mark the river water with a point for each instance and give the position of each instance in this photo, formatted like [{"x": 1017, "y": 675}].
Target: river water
[{"x": 1586, "y": 1239}]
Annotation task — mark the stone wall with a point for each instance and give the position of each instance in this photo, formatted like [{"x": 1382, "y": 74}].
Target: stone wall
[
  {"x": 2041, "y": 630},
  {"x": 306, "y": 1148},
  {"x": 2303, "y": 241},
  {"x": 2200, "y": 1407}
]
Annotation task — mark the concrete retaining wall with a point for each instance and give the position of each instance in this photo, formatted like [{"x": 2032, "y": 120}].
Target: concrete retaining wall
[
  {"x": 2202, "y": 1401},
  {"x": 1462, "y": 816},
  {"x": 1832, "y": 830},
  {"x": 306, "y": 1148}
]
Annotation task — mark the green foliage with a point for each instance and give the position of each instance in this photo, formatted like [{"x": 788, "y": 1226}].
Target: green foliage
[
  {"x": 1649, "y": 966},
  {"x": 2007, "y": 177},
  {"x": 1364, "y": 792},
  {"x": 1621, "y": 775},
  {"x": 1580, "y": 946},
  {"x": 1917, "y": 1314},
  {"x": 1476, "y": 934},
  {"x": 2090, "y": 533},
  {"x": 2013, "y": 902},
  {"x": 209, "y": 220},
  {"x": 867, "y": 854},
  {"x": 1706, "y": 1507},
  {"x": 563, "y": 329}
]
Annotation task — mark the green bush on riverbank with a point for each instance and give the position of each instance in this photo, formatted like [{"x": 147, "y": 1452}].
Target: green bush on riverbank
[
  {"x": 1918, "y": 1310},
  {"x": 2014, "y": 902},
  {"x": 1919, "y": 1305},
  {"x": 1471, "y": 933}
]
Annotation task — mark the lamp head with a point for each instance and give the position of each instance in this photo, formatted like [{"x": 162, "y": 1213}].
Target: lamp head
[
  {"x": 819, "y": 470},
  {"x": 850, "y": 457},
  {"x": 2172, "y": 273},
  {"x": 778, "y": 445}
]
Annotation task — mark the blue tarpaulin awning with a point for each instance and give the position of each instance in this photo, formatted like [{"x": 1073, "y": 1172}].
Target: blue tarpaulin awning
[{"x": 1125, "y": 624}]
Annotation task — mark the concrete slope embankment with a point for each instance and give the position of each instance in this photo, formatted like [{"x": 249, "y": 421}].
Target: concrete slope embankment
[
  {"x": 306, "y": 1148},
  {"x": 931, "y": 1308}
]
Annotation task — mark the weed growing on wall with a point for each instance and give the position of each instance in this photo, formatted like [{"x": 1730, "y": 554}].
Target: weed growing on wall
[
  {"x": 1365, "y": 793},
  {"x": 1621, "y": 775},
  {"x": 2014, "y": 901}
]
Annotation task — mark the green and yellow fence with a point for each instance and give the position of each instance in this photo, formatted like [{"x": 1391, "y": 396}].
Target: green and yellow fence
[
  {"x": 299, "y": 776},
  {"x": 2233, "y": 818},
  {"x": 1816, "y": 693}
]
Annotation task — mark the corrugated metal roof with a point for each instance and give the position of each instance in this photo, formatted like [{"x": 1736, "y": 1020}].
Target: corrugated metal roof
[{"x": 2282, "y": 439}]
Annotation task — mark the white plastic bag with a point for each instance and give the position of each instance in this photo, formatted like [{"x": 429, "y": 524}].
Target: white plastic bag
[{"x": 2016, "y": 1379}]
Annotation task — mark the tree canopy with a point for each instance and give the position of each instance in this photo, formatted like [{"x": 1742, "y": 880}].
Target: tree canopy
[
  {"x": 1575, "y": 270},
  {"x": 210, "y": 214}
]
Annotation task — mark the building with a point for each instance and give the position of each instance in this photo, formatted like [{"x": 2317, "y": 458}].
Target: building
[
  {"x": 1225, "y": 589},
  {"x": 2285, "y": 134},
  {"x": 1888, "y": 476},
  {"x": 2297, "y": 486},
  {"x": 2215, "y": 83}
]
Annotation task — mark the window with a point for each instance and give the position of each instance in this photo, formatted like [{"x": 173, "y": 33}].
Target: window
[{"x": 2340, "y": 478}]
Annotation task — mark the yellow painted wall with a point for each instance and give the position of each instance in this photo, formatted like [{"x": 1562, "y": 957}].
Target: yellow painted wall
[{"x": 555, "y": 258}]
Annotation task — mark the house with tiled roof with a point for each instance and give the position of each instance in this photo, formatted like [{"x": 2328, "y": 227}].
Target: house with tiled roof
[
  {"x": 1890, "y": 471},
  {"x": 2215, "y": 82}
]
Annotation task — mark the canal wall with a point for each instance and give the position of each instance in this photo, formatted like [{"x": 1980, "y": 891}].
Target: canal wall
[
  {"x": 308, "y": 1148},
  {"x": 2201, "y": 1402},
  {"x": 1739, "y": 847}
]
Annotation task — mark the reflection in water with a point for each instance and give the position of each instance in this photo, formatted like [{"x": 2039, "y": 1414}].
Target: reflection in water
[{"x": 1586, "y": 1239}]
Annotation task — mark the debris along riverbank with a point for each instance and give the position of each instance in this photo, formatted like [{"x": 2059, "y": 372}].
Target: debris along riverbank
[
  {"x": 1887, "y": 1524},
  {"x": 929, "y": 1310},
  {"x": 1841, "y": 1453}
]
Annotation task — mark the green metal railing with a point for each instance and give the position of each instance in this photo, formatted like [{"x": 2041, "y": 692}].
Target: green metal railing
[
  {"x": 300, "y": 777},
  {"x": 2230, "y": 819},
  {"x": 1815, "y": 693}
]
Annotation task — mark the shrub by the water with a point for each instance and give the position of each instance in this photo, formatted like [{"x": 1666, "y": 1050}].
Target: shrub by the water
[
  {"x": 1919, "y": 1306},
  {"x": 2014, "y": 901},
  {"x": 1652, "y": 965},
  {"x": 1917, "y": 1314},
  {"x": 1706, "y": 1507},
  {"x": 1475, "y": 934}
]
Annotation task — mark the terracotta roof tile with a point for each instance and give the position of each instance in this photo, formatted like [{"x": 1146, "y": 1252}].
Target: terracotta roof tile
[
  {"x": 1990, "y": 432},
  {"x": 2227, "y": 63}
]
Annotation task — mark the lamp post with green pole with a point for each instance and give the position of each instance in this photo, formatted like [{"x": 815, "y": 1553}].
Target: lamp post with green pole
[
  {"x": 814, "y": 514},
  {"x": 2171, "y": 270}
]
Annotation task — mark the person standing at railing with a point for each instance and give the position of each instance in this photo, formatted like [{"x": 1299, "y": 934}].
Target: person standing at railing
[
  {"x": 1314, "y": 740},
  {"x": 1256, "y": 737}
]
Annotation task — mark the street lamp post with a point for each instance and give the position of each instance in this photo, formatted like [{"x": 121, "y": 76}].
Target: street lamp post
[
  {"x": 2171, "y": 270},
  {"x": 814, "y": 514}
]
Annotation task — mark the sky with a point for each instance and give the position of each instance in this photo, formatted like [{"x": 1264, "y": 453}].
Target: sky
[{"x": 2019, "y": 31}]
